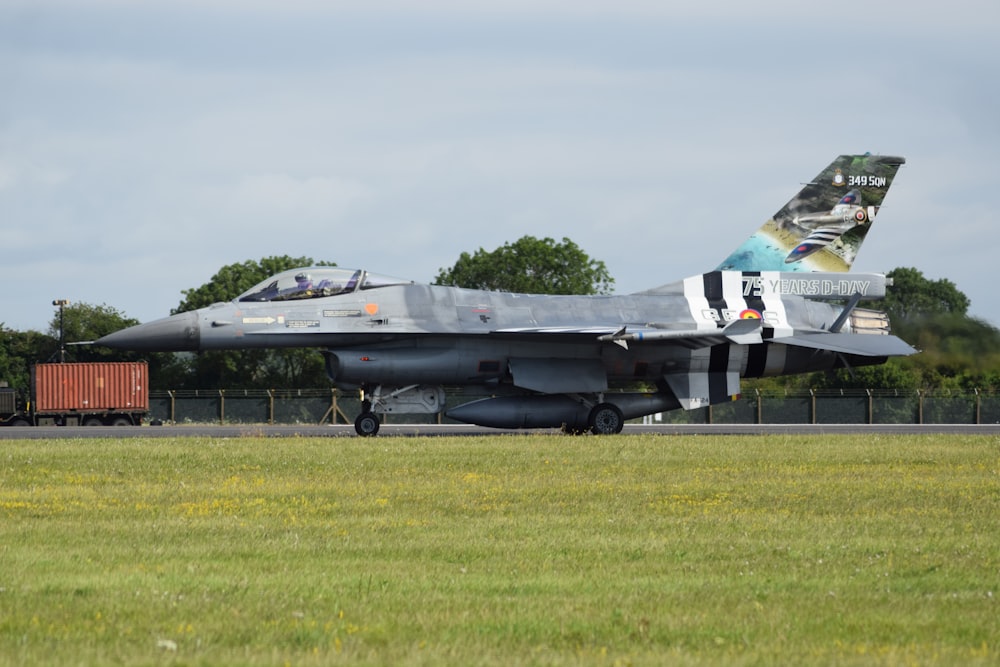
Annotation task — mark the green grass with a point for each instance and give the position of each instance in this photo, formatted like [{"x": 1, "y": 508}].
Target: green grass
[{"x": 508, "y": 550}]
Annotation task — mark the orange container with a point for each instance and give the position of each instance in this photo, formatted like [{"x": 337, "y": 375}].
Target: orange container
[{"x": 88, "y": 387}]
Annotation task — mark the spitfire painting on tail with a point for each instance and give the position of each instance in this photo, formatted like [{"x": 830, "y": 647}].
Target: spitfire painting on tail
[
  {"x": 780, "y": 304},
  {"x": 833, "y": 212}
]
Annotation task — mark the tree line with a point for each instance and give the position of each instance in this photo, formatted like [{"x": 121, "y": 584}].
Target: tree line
[{"x": 958, "y": 352}]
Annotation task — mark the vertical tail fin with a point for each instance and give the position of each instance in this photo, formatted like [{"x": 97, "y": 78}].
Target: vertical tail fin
[{"x": 823, "y": 226}]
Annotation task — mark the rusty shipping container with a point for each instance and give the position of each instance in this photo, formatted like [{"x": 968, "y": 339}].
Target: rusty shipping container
[{"x": 90, "y": 387}]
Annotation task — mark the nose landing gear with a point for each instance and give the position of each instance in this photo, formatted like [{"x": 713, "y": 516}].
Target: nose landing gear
[{"x": 412, "y": 399}]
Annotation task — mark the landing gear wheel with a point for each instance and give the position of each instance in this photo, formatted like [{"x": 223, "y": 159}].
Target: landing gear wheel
[
  {"x": 366, "y": 424},
  {"x": 606, "y": 419}
]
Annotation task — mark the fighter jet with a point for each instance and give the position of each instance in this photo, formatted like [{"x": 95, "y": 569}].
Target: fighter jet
[{"x": 549, "y": 361}]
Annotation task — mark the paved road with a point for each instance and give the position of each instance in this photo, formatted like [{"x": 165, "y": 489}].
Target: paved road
[{"x": 411, "y": 430}]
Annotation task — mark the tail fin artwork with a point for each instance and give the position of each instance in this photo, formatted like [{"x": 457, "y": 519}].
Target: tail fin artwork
[{"x": 823, "y": 226}]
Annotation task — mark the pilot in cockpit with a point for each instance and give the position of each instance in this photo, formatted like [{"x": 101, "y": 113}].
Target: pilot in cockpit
[
  {"x": 302, "y": 289},
  {"x": 305, "y": 288},
  {"x": 303, "y": 282}
]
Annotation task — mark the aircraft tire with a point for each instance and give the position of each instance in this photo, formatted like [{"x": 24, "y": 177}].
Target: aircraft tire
[
  {"x": 366, "y": 425},
  {"x": 606, "y": 419}
]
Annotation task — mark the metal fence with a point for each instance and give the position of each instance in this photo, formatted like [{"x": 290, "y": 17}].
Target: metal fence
[{"x": 316, "y": 406}]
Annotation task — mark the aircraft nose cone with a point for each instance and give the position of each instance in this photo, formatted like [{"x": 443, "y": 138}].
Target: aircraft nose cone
[{"x": 177, "y": 333}]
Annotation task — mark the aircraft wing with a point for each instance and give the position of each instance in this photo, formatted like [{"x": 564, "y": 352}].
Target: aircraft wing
[
  {"x": 593, "y": 330},
  {"x": 740, "y": 332}
]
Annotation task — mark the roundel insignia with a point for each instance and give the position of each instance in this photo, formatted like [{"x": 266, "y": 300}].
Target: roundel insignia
[
  {"x": 750, "y": 314},
  {"x": 860, "y": 215}
]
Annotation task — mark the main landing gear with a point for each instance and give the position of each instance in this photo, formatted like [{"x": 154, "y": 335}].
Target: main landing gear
[
  {"x": 366, "y": 425},
  {"x": 606, "y": 419}
]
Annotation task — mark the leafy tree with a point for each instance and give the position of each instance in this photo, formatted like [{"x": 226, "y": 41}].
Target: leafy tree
[
  {"x": 83, "y": 322},
  {"x": 913, "y": 296},
  {"x": 244, "y": 369},
  {"x": 957, "y": 351},
  {"x": 530, "y": 266},
  {"x": 19, "y": 350}
]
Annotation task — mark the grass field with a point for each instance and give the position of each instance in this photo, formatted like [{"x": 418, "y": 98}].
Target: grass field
[{"x": 507, "y": 550}]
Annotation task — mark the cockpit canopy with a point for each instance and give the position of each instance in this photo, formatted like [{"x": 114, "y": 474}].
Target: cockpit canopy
[{"x": 316, "y": 281}]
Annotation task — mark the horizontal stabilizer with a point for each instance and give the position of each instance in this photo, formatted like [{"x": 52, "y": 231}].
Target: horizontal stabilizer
[{"x": 865, "y": 345}]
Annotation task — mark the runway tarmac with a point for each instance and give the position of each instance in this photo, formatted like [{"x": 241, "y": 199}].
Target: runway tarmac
[{"x": 446, "y": 430}]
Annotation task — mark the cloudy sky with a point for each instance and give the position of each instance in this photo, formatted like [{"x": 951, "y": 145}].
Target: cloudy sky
[{"x": 144, "y": 145}]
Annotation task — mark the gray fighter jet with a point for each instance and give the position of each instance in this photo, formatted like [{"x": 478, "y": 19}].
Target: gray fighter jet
[{"x": 550, "y": 361}]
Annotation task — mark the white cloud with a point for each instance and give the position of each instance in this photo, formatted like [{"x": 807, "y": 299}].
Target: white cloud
[
  {"x": 289, "y": 203},
  {"x": 165, "y": 140}
]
